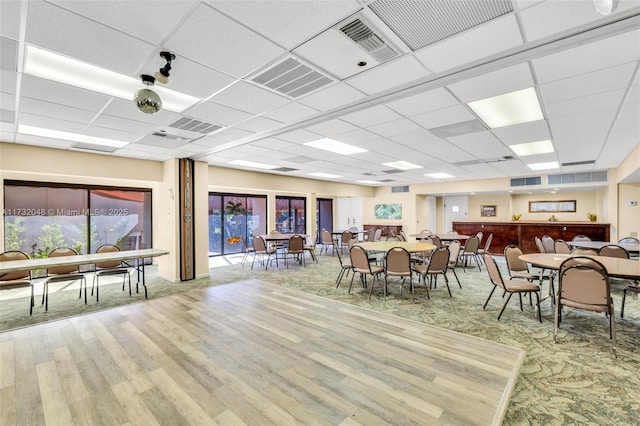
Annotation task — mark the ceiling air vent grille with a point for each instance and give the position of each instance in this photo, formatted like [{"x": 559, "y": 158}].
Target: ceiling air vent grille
[
  {"x": 284, "y": 169},
  {"x": 391, "y": 171},
  {"x": 168, "y": 136},
  {"x": 585, "y": 177},
  {"x": 372, "y": 43},
  {"x": 526, "y": 181},
  {"x": 89, "y": 147},
  {"x": 193, "y": 125},
  {"x": 404, "y": 188},
  {"x": 292, "y": 78}
]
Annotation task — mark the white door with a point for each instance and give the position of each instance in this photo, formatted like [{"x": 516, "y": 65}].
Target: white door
[
  {"x": 349, "y": 213},
  {"x": 431, "y": 214},
  {"x": 455, "y": 210}
]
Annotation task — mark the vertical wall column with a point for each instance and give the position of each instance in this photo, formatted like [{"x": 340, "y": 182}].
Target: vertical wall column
[{"x": 186, "y": 217}]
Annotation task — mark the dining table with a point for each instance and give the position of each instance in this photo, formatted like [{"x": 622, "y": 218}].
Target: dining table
[
  {"x": 633, "y": 248},
  {"x": 443, "y": 237},
  {"x": 616, "y": 267},
  {"x": 384, "y": 246}
]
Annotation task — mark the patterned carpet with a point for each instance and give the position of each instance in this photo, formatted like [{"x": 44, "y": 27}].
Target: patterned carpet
[{"x": 573, "y": 382}]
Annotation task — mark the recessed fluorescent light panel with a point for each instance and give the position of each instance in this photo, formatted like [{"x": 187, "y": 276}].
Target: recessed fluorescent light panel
[
  {"x": 402, "y": 165},
  {"x": 439, "y": 175},
  {"x": 517, "y": 107},
  {"x": 72, "y": 137},
  {"x": 532, "y": 148},
  {"x": 49, "y": 65},
  {"x": 335, "y": 146},
  {"x": 252, "y": 164},
  {"x": 544, "y": 166},
  {"x": 324, "y": 175},
  {"x": 372, "y": 182}
]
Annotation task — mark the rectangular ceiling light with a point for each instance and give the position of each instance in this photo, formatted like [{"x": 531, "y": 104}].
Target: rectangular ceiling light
[
  {"x": 402, "y": 165},
  {"x": 532, "y": 148},
  {"x": 73, "y": 137},
  {"x": 544, "y": 166},
  {"x": 323, "y": 175},
  {"x": 372, "y": 182},
  {"x": 335, "y": 146},
  {"x": 51, "y": 66},
  {"x": 251, "y": 164},
  {"x": 517, "y": 107},
  {"x": 439, "y": 175}
]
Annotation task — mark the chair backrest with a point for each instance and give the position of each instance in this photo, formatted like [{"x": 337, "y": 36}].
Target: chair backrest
[
  {"x": 454, "y": 251},
  {"x": 583, "y": 283},
  {"x": 401, "y": 236},
  {"x": 9, "y": 256},
  {"x": 259, "y": 244},
  {"x": 487, "y": 244},
  {"x": 326, "y": 237},
  {"x": 398, "y": 261},
  {"x": 492, "y": 269},
  {"x": 108, "y": 248},
  {"x": 371, "y": 234},
  {"x": 352, "y": 242},
  {"x": 480, "y": 234},
  {"x": 581, "y": 238},
  {"x": 359, "y": 259},
  {"x": 612, "y": 250},
  {"x": 539, "y": 244},
  {"x": 377, "y": 235},
  {"x": 346, "y": 236},
  {"x": 562, "y": 247},
  {"x": 439, "y": 260},
  {"x": 453, "y": 232},
  {"x": 629, "y": 240},
  {"x": 549, "y": 244},
  {"x": 472, "y": 245},
  {"x": 512, "y": 255},
  {"x": 353, "y": 228},
  {"x": 313, "y": 241},
  {"x": 296, "y": 244},
  {"x": 435, "y": 240},
  {"x": 275, "y": 232},
  {"x": 584, "y": 251},
  {"x": 61, "y": 252}
]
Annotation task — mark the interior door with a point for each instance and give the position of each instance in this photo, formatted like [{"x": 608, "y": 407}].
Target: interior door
[
  {"x": 455, "y": 210},
  {"x": 349, "y": 213}
]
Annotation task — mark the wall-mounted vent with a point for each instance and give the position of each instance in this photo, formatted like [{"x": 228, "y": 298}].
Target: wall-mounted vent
[
  {"x": 404, "y": 188},
  {"x": 584, "y": 177},
  {"x": 284, "y": 169},
  {"x": 422, "y": 23},
  {"x": 367, "y": 39},
  {"x": 292, "y": 78},
  {"x": 196, "y": 126},
  {"x": 526, "y": 181}
]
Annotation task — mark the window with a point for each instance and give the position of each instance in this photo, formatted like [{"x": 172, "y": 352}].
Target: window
[
  {"x": 291, "y": 215},
  {"x": 324, "y": 215},
  {"x": 40, "y": 217},
  {"x": 234, "y": 219}
]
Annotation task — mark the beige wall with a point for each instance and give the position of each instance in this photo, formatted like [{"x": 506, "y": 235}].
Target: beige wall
[
  {"x": 501, "y": 201},
  {"x": 385, "y": 196},
  {"x": 629, "y": 215},
  {"x": 586, "y": 202}
]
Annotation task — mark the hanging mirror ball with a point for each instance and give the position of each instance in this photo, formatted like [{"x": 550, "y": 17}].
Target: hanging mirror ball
[{"x": 147, "y": 101}]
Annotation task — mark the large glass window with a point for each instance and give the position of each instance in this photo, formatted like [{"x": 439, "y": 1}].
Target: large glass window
[
  {"x": 39, "y": 218},
  {"x": 233, "y": 220},
  {"x": 291, "y": 215},
  {"x": 324, "y": 215}
]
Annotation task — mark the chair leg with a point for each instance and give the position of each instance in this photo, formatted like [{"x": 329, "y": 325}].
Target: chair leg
[
  {"x": 612, "y": 331},
  {"x": 490, "y": 294},
  {"x": 624, "y": 296},
  {"x": 446, "y": 281},
  {"x": 506, "y": 302},
  {"x": 538, "y": 305},
  {"x": 456, "y": 275}
]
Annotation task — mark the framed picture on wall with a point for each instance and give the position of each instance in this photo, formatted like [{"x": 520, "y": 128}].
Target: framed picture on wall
[{"x": 487, "y": 211}]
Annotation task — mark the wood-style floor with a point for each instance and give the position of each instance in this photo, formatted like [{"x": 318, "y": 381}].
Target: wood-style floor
[{"x": 250, "y": 353}]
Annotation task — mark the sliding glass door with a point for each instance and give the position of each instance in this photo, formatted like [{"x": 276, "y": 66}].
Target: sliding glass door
[{"x": 233, "y": 221}]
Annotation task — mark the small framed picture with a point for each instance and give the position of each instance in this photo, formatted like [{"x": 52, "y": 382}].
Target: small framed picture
[{"x": 486, "y": 211}]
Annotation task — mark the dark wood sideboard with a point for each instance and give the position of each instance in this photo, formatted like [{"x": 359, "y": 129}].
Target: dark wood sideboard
[
  {"x": 522, "y": 233},
  {"x": 387, "y": 230}
]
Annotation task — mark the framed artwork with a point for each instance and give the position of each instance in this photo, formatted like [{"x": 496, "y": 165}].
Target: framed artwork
[
  {"x": 552, "y": 206},
  {"x": 487, "y": 211},
  {"x": 388, "y": 211}
]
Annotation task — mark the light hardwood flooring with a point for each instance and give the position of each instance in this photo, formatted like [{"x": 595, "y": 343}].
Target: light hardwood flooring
[{"x": 250, "y": 353}]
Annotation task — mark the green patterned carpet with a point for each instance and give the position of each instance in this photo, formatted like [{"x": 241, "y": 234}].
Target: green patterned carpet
[{"x": 573, "y": 382}]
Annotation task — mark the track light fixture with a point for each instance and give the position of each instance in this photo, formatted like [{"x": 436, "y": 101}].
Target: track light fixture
[
  {"x": 147, "y": 100},
  {"x": 163, "y": 73}
]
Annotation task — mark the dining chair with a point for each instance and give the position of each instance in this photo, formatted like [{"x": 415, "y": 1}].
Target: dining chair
[
  {"x": 437, "y": 265},
  {"x": 327, "y": 241},
  {"x": 436, "y": 241},
  {"x": 562, "y": 247},
  {"x": 344, "y": 239},
  {"x": 516, "y": 285},
  {"x": 370, "y": 235},
  {"x": 487, "y": 245},
  {"x": 539, "y": 244},
  {"x": 629, "y": 240},
  {"x": 377, "y": 235},
  {"x": 262, "y": 250},
  {"x": 480, "y": 235},
  {"x": 345, "y": 268},
  {"x": 581, "y": 237},
  {"x": 246, "y": 251},
  {"x": 549, "y": 244},
  {"x": 109, "y": 268},
  {"x": 19, "y": 278},
  {"x": 362, "y": 266},
  {"x": 63, "y": 273},
  {"x": 470, "y": 250},
  {"x": 454, "y": 252},
  {"x": 584, "y": 284},
  {"x": 295, "y": 248},
  {"x": 398, "y": 264},
  {"x": 310, "y": 247},
  {"x": 612, "y": 250}
]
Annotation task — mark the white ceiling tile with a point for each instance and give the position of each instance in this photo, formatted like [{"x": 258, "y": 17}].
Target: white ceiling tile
[
  {"x": 119, "y": 123},
  {"x": 356, "y": 137},
  {"x": 587, "y": 84},
  {"x": 615, "y": 153},
  {"x": 233, "y": 134},
  {"x": 585, "y": 104},
  {"x": 495, "y": 83},
  {"x": 443, "y": 117},
  {"x": 590, "y": 57},
  {"x": 273, "y": 143},
  {"x": 397, "y": 127},
  {"x": 249, "y": 98},
  {"x": 53, "y": 110},
  {"x": 290, "y": 112},
  {"x": 488, "y": 39},
  {"x": 332, "y": 97},
  {"x": 389, "y": 75},
  {"x": 298, "y": 136},
  {"x": 482, "y": 145},
  {"x": 423, "y": 102},
  {"x": 50, "y": 91},
  {"x": 195, "y": 40},
  {"x": 369, "y": 116},
  {"x": 50, "y": 123},
  {"x": 521, "y": 133},
  {"x": 127, "y": 109},
  {"x": 259, "y": 124},
  {"x": 8, "y": 81},
  {"x": 64, "y": 32},
  {"x": 212, "y": 112},
  {"x": 10, "y": 19},
  {"x": 448, "y": 152},
  {"x": 40, "y": 141},
  {"x": 118, "y": 135},
  {"x": 331, "y": 127}
]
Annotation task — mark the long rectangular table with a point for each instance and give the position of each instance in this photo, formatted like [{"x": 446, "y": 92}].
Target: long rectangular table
[{"x": 86, "y": 259}]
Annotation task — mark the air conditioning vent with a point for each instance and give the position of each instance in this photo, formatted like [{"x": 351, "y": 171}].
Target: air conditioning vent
[
  {"x": 526, "y": 181},
  {"x": 196, "y": 126},
  {"x": 168, "y": 136},
  {"x": 404, "y": 188},
  {"x": 284, "y": 169},
  {"x": 391, "y": 171},
  {"x": 292, "y": 78},
  {"x": 89, "y": 147},
  {"x": 578, "y": 163},
  {"x": 371, "y": 42},
  {"x": 584, "y": 177}
]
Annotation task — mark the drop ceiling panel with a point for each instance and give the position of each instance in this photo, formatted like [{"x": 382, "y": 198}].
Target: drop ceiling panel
[
  {"x": 61, "y": 31},
  {"x": 448, "y": 152},
  {"x": 50, "y": 123},
  {"x": 259, "y": 125},
  {"x": 394, "y": 128},
  {"x": 356, "y": 137},
  {"x": 118, "y": 135},
  {"x": 481, "y": 145},
  {"x": 443, "y": 117},
  {"x": 127, "y": 109},
  {"x": 495, "y": 83},
  {"x": 509, "y": 168},
  {"x": 298, "y": 136},
  {"x": 290, "y": 112},
  {"x": 369, "y": 116},
  {"x": 615, "y": 153},
  {"x": 420, "y": 138},
  {"x": 233, "y": 134},
  {"x": 133, "y": 126},
  {"x": 249, "y": 98},
  {"x": 588, "y": 84},
  {"x": 488, "y": 39},
  {"x": 220, "y": 114},
  {"x": 331, "y": 128},
  {"x": 388, "y": 75},
  {"x": 521, "y": 133},
  {"x": 10, "y": 19},
  {"x": 423, "y": 102},
  {"x": 332, "y": 97},
  {"x": 43, "y": 142},
  {"x": 8, "y": 81},
  {"x": 50, "y": 91},
  {"x": 585, "y": 104},
  {"x": 49, "y": 109},
  {"x": 484, "y": 170},
  {"x": 590, "y": 57},
  {"x": 195, "y": 40}
]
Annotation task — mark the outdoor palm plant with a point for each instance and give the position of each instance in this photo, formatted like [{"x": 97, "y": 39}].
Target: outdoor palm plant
[{"x": 233, "y": 211}]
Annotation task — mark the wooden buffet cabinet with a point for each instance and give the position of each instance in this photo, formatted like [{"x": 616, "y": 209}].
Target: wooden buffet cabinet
[
  {"x": 522, "y": 233},
  {"x": 387, "y": 230}
]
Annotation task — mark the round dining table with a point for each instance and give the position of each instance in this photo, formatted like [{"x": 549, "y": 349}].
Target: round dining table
[
  {"x": 616, "y": 267},
  {"x": 596, "y": 245},
  {"x": 410, "y": 246}
]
